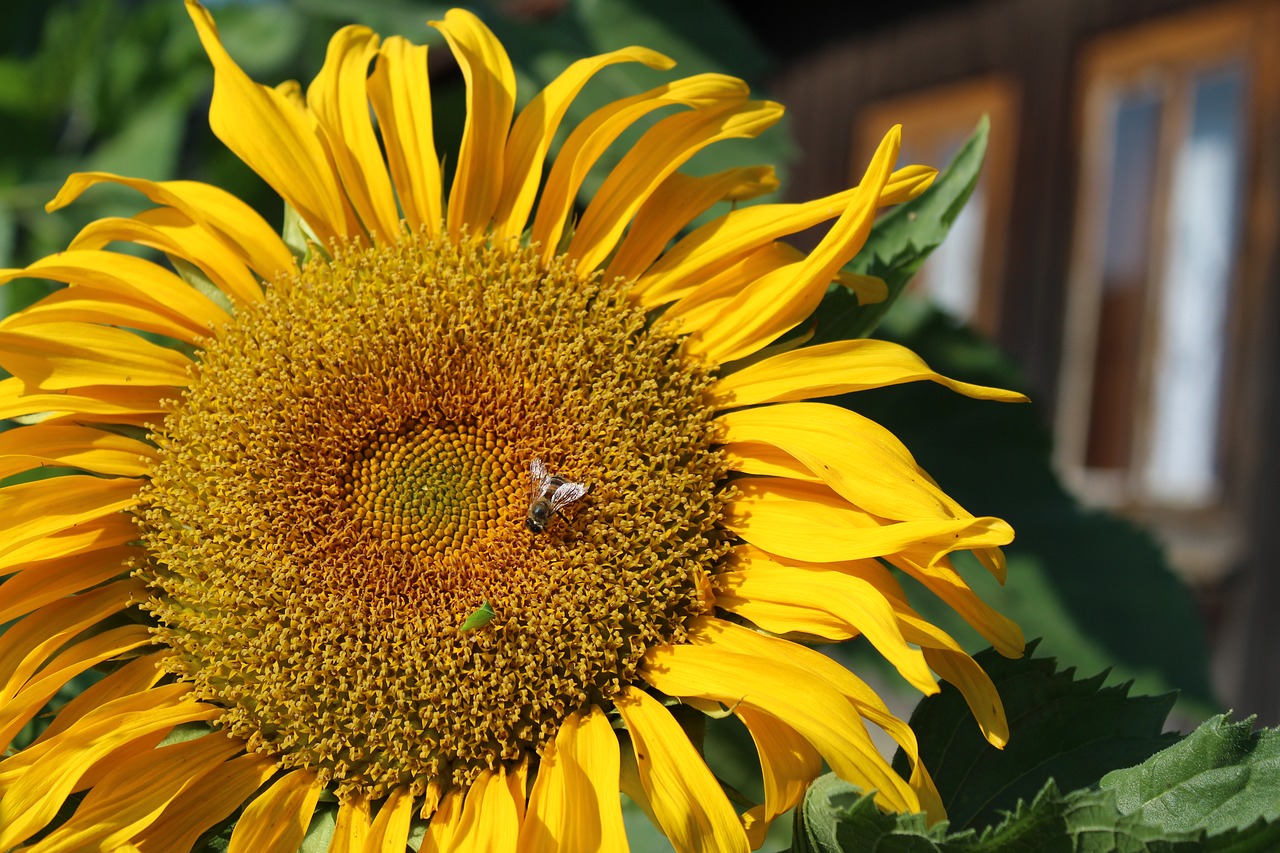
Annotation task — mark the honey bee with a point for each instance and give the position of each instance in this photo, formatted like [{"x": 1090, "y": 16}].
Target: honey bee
[{"x": 550, "y": 495}]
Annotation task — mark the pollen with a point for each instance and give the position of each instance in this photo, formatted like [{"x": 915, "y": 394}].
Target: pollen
[{"x": 347, "y": 480}]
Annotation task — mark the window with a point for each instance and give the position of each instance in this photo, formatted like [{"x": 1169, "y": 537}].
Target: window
[
  {"x": 1158, "y": 275},
  {"x": 962, "y": 274}
]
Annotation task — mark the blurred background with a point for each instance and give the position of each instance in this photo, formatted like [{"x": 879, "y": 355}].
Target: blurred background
[{"x": 1118, "y": 259}]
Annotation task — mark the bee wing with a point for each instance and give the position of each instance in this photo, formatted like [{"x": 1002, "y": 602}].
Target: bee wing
[
  {"x": 539, "y": 475},
  {"x": 566, "y": 494}
]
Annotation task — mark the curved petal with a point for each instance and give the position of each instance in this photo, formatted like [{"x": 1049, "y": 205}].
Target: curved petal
[
  {"x": 45, "y": 684},
  {"x": 783, "y": 299},
  {"x": 788, "y": 764},
  {"x": 41, "y": 507},
  {"x": 59, "y": 356},
  {"x": 131, "y": 682},
  {"x": 815, "y": 709},
  {"x": 574, "y": 802},
  {"x": 719, "y": 242},
  {"x": 690, "y": 807},
  {"x": 531, "y": 135},
  {"x": 492, "y": 813},
  {"x": 131, "y": 279},
  {"x": 277, "y": 820},
  {"x": 807, "y": 521},
  {"x": 834, "y": 368},
  {"x": 830, "y": 604},
  {"x": 107, "y": 404},
  {"x": 676, "y": 202},
  {"x": 598, "y": 131},
  {"x": 718, "y": 291},
  {"x": 351, "y": 829},
  {"x": 754, "y": 457},
  {"x": 869, "y": 705},
  {"x": 76, "y": 304},
  {"x": 390, "y": 830},
  {"x": 33, "y": 798},
  {"x": 237, "y": 226},
  {"x": 340, "y": 101},
  {"x": 658, "y": 153},
  {"x": 862, "y": 461},
  {"x": 275, "y": 137},
  {"x": 941, "y": 578},
  {"x": 94, "y": 450},
  {"x": 205, "y": 802},
  {"x": 400, "y": 91},
  {"x": 134, "y": 793},
  {"x": 443, "y": 828},
  {"x": 491, "y": 100},
  {"x": 27, "y": 644},
  {"x": 173, "y": 232}
]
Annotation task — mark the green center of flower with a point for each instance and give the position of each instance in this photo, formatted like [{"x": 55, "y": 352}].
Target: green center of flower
[{"x": 348, "y": 479}]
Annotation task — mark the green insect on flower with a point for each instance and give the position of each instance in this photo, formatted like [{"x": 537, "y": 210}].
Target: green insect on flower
[{"x": 482, "y": 616}]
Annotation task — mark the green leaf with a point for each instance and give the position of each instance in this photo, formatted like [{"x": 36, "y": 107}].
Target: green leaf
[
  {"x": 1223, "y": 776},
  {"x": 1072, "y": 731},
  {"x": 901, "y": 241}
]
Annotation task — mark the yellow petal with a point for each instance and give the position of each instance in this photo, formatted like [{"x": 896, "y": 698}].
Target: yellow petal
[
  {"x": 574, "y": 803},
  {"x": 27, "y": 702},
  {"x": 400, "y": 92},
  {"x": 351, "y": 830},
  {"x": 277, "y": 820},
  {"x": 597, "y": 132},
  {"x": 82, "y": 539},
  {"x": 941, "y": 578},
  {"x": 390, "y": 830},
  {"x": 753, "y": 457},
  {"x": 716, "y": 244},
  {"x": 788, "y": 763},
  {"x": 531, "y": 135},
  {"x": 134, "y": 677},
  {"x": 27, "y": 644},
  {"x": 59, "y": 356},
  {"x": 837, "y": 368},
  {"x": 131, "y": 279},
  {"x": 718, "y": 291},
  {"x": 90, "y": 449},
  {"x": 830, "y": 604},
  {"x": 205, "y": 802},
  {"x": 814, "y": 708},
  {"x": 690, "y": 807},
  {"x": 675, "y": 203},
  {"x": 176, "y": 234},
  {"x": 809, "y": 522},
  {"x": 340, "y": 101},
  {"x": 657, "y": 154},
  {"x": 781, "y": 300},
  {"x": 740, "y": 640},
  {"x": 41, "y": 507},
  {"x": 239, "y": 229},
  {"x": 273, "y": 136},
  {"x": 491, "y": 99},
  {"x": 867, "y": 288},
  {"x": 492, "y": 813},
  {"x": 75, "y": 304},
  {"x": 108, "y": 404},
  {"x": 134, "y": 793},
  {"x": 862, "y": 461},
  {"x": 443, "y": 828},
  {"x": 33, "y": 799}
]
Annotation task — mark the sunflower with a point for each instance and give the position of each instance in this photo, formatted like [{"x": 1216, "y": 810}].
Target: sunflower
[{"x": 450, "y": 516}]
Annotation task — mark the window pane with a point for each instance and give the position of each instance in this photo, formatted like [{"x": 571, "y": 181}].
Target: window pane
[
  {"x": 1182, "y": 465},
  {"x": 1125, "y": 260}
]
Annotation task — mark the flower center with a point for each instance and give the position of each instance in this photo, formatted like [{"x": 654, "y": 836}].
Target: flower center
[{"x": 348, "y": 479}]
